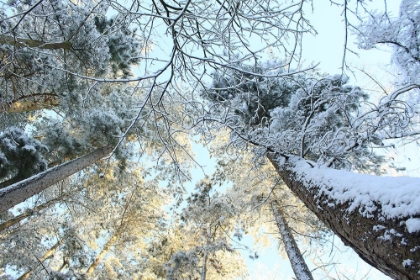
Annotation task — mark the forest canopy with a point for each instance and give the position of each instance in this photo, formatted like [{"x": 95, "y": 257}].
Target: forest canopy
[{"x": 105, "y": 107}]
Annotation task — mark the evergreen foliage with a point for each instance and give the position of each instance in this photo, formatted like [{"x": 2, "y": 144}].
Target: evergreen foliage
[
  {"x": 134, "y": 77},
  {"x": 20, "y": 155},
  {"x": 305, "y": 115}
]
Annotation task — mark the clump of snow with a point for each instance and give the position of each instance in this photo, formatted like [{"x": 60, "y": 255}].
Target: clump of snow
[
  {"x": 388, "y": 234},
  {"x": 413, "y": 225},
  {"x": 397, "y": 197},
  {"x": 414, "y": 249},
  {"x": 378, "y": 227},
  {"x": 407, "y": 262},
  {"x": 386, "y": 237}
]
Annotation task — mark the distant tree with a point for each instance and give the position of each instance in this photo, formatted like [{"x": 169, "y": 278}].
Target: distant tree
[
  {"x": 260, "y": 194},
  {"x": 214, "y": 217},
  {"x": 299, "y": 266},
  {"x": 119, "y": 208},
  {"x": 326, "y": 125}
]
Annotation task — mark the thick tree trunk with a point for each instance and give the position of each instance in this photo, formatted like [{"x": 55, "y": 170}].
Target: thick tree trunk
[
  {"x": 383, "y": 229},
  {"x": 43, "y": 258},
  {"x": 9, "y": 182},
  {"x": 25, "y": 189},
  {"x": 299, "y": 266}
]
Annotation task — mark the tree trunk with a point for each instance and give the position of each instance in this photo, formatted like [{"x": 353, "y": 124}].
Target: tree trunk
[
  {"x": 105, "y": 250},
  {"x": 25, "y": 189},
  {"x": 43, "y": 258},
  {"x": 22, "y": 42},
  {"x": 204, "y": 268},
  {"x": 299, "y": 266},
  {"x": 31, "y": 105},
  {"x": 362, "y": 218},
  {"x": 11, "y": 181},
  {"x": 28, "y": 213},
  {"x": 25, "y": 215}
]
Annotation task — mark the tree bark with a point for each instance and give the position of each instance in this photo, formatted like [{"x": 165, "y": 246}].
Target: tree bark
[
  {"x": 299, "y": 266},
  {"x": 384, "y": 243},
  {"x": 11, "y": 181},
  {"x": 25, "y": 189}
]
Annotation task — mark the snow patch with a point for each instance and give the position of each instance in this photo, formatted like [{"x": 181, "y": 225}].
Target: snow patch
[
  {"x": 378, "y": 227},
  {"x": 396, "y": 197},
  {"x": 413, "y": 225},
  {"x": 386, "y": 237},
  {"x": 414, "y": 249},
  {"x": 407, "y": 262}
]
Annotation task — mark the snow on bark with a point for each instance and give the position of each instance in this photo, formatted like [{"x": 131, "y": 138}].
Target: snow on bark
[
  {"x": 393, "y": 197},
  {"x": 376, "y": 216},
  {"x": 413, "y": 225}
]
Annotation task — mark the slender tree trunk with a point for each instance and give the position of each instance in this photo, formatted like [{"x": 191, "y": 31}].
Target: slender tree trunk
[
  {"x": 25, "y": 189},
  {"x": 385, "y": 243},
  {"x": 15, "y": 220},
  {"x": 105, "y": 250},
  {"x": 32, "y": 105},
  {"x": 25, "y": 215},
  {"x": 22, "y": 42},
  {"x": 43, "y": 258},
  {"x": 112, "y": 240},
  {"x": 204, "y": 268},
  {"x": 299, "y": 266}
]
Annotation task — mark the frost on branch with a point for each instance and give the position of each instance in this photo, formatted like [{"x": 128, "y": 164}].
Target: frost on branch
[
  {"x": 316, "y": 117},
  {"x": 401, "y": 33}
]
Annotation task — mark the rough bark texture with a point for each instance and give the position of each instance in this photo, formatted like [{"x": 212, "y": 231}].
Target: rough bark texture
[
  {"x": 25, "y": 189},
  {"x": 359, "y": 232},
  {"x": 299, "y": 266}
]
